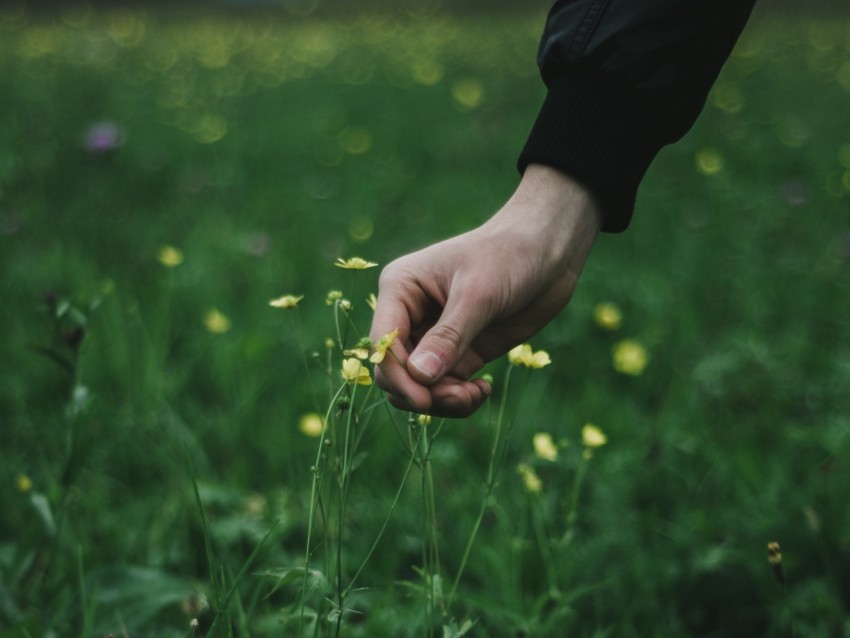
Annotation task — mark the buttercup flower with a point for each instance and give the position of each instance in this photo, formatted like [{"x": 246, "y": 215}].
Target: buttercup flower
[
  {"x": 424, "y": 419},
  {"x": 381, "y": 347},
  {"x": 354, "y": 263},
  {"x": 355, "y": 372},
  {"x": 23, "y": 483},
  {"x": 372, "y": 301},
  {"x": 286, "y": 302},
  {"x": 523, "y": 355},
  {"x": 361, "y": 350},
  {"x": 545, "y": 447},
  {"x": 216, "y": 321},
  {"x": 170, "y": 256},
  {"x": 592, "y": 436},
  {"x": 629, "y": 357},
  {"x": 607, "y": 316},
  {"x": 311, "y": 424},
  {"x": 530, "y": 479}
]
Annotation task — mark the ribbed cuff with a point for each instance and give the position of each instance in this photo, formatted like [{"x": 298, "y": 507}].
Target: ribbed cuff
[{"x": 600, "y": 134}]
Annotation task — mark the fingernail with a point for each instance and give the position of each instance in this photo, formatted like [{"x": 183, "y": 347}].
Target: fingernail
[{"x": 427, "y": 363}]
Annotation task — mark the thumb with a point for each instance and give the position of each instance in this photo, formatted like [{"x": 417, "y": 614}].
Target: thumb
[{"x": 440, "y": 349}]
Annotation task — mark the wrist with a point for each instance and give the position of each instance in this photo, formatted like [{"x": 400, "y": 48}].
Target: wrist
[{"x": 552, "y": 214}]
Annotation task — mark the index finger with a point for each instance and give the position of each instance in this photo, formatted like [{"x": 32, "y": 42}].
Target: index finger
[{"x": 392, "y": 313}]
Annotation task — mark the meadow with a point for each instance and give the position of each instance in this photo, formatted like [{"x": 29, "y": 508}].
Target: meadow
[{"x": 178, "y": 457}]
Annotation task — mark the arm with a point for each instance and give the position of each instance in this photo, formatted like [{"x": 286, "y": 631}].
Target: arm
[{"x": 624, "y": 78}]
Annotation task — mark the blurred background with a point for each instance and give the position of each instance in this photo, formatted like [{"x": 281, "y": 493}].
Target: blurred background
[{"x": 168, "y": 168}]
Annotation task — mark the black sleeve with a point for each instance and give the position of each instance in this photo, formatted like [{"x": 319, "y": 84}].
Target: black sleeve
[{"x": 625, "y": 78}]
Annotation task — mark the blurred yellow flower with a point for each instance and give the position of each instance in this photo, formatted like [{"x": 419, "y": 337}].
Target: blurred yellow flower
[
  {"x": 530, "y": 479},
  {"x": 354, "y": 263},
  {"x": 424, "y": 419},
  {"x": 372, "y": 301},
  {"x": 287, "y": 301},
  {"x": 468, "y": 93},
  {"x": 170, "y": 256},
  {"x": 216, "y": 321},
  {"x": 592, "y": 436},
  {"x": 312, "y": 424},
  {"x": 355, "y": 372},
  {"x": 23, "y": 483},
  {"x": 709, "y": 161},
  {"x": 607, "y": 316},
  {"x": 629, "y": 357},
  {"x": 361, "y": 350},
  {"x": 523, "y": 355},
  {"x": 381, "y": 347},
  {"x": 545, "y": 447}
]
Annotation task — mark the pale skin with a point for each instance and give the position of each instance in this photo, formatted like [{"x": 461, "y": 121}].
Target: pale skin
[{"x": 465, "y": 301}]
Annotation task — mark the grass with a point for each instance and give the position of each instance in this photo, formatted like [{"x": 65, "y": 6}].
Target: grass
[{"x": 264, "y": 147}]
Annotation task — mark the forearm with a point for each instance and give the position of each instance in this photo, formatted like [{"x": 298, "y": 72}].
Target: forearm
[{"x": 624, "y": 79}]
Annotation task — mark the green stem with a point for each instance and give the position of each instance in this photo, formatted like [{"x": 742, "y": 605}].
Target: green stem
[{"x": 495, "y": 462}]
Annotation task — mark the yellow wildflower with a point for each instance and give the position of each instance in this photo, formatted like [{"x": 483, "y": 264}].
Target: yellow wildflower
[
  {"x": 424, "y": 419},
  {"x": 592, "y": 436},
  {"x": 530, "y": 479},
  {"x": 361, "y": 350},
  {"x": 345, "y": 304},
  {"x": 170, "y": 256},
  {"x": 523, "y": 355},
  {"x": 372, "y": 301},
  {"x": 333, "y": 297},
  {"x": 312, "y": 424},
  {"x": 354, "y": 263},
  {"x": 355, "y": 372},
  {"x": 629, "y": 357},
  {"x": 286, "y": 302},
  {"x": 607, "y": 316},
  {"x": 216, "y": 321},
  {"x": 23, "y": 483},
  {"x": 545, "y": 447},
  {"x": 381, "y": 347}
]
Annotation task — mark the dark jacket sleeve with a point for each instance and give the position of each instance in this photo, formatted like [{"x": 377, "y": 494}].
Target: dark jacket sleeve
[{"x": 625, "y": 78}]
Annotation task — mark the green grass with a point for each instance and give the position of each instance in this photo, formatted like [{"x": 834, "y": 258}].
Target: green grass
[{"x": 266, "y": 146}]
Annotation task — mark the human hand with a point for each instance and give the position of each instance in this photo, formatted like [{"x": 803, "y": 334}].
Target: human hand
[{"x": 465, "y": 301}]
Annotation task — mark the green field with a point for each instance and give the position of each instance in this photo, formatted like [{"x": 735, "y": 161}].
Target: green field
[{"x": 239, "y": 155}]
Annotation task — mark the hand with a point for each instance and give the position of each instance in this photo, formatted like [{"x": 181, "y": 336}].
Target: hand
[{"x": 468, "y": 300}]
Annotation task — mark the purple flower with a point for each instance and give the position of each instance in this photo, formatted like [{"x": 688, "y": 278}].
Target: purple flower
[{"x": 103, "y": 138}]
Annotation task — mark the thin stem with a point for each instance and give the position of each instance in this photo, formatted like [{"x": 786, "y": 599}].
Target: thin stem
[{"x": 488, "y": 488}]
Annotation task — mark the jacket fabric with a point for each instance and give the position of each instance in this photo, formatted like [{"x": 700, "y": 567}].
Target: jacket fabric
[{"x": 625, "y": 78}]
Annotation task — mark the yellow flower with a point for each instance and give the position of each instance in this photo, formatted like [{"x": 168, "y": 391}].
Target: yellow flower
[
  {"x": 216, "y": 322},
  {"x": 592, "y": 436},
  {"x": 285, "y": 302},
  {"x": 170, "y": 256},
  {"x": 355, "y": 372},
  {"x": 354, "y": 263},
  {"x": 530, "y": 479},
  {"x": 629, "y": 357},
  {"x": 361, "y": 350},
  {"x": 312, "y": 424},
  {"x": 23, "y": 483},
  {"x": 381, "y": 347},
  {"x": 607, "y": 316},
  {"x": 372, "y": 301},
  {"x": 333, "y": 297},
  {"x": 523, "y": 355},
  {"x": 424, "y": 419},
  {"x": 545, "y": 447}
]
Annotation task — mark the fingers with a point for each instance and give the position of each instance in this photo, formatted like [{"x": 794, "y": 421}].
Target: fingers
[
  {"x": 448, "y": 398},
  {"x": 442, "y": 348}
]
